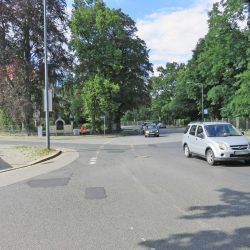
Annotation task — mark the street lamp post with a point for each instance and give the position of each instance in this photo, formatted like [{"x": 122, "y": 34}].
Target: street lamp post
[{"x": 46, "y": 78}]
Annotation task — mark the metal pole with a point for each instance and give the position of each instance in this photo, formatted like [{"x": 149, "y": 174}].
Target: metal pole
[
  {"x": 46, "y": 77},
  {"x": 202, "y": 107},
  {"x": 104, "y": 125}
]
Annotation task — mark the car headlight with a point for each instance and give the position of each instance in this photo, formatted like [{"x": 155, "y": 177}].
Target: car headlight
[{"x": 222, "y": 146}]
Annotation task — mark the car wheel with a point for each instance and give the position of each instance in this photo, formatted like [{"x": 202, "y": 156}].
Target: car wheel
[
  {"x": 210, "y": 157},
  {"x": 187, "y": 151}
]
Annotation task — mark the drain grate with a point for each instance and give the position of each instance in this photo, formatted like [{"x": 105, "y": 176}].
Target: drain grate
[
  {"x": 45, "y": 183},
  {"x": 95, "y": 193}
]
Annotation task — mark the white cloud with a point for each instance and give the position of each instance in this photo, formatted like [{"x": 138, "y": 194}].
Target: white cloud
[{"x": 173, "y": 36}]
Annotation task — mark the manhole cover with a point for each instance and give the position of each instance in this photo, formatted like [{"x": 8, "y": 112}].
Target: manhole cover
[
  {"x": 45, "y": 183},
  {"x": 95, "y": 193}
]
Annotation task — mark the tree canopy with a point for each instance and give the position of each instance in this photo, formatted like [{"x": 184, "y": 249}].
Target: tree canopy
[
  {"x": 220, "y": 64},
  {"x": 112, "y": 73},
  {"x": 21, "y": 59},
  {"x": 105, "y": 43}
]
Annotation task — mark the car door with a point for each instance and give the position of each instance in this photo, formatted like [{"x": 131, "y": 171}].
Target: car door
[
  {"x": 192, "y": 138},
  {"x": 200, "y": 142}
]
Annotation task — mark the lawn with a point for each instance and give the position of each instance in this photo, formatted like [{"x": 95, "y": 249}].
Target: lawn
[{"x": 35, "y": 152}]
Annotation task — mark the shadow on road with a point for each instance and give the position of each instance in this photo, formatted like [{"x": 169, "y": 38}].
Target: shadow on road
[
  {"x": 234, "y": 204},
  {"x": 4, "y": 165},
  {"x": 216, "y": 240}
]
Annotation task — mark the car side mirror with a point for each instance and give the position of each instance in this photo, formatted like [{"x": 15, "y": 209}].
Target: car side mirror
[
  {"x": 242, "y": 133},
  {"x": 200, "y": 135}
]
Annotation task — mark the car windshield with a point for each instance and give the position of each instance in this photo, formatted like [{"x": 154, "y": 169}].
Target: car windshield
[
  {"x": 221, "y": 130},
  {"x": 151, "y": 127}
]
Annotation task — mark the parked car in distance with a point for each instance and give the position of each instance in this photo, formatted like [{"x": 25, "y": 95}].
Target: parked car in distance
[
  {"x": 151, "y": 130},
  {"x": 161, "y": 125},
  {"x": 215, "y": 141}
]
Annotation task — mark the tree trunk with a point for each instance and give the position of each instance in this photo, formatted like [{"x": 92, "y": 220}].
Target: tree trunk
[
  {"x": 110, "y": 122},
  {"x": 93, "y": 124},
  {"x": 118, "y": 122}
]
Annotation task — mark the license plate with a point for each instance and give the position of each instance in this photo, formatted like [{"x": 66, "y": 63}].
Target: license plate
[{"x": 241, "y": 152}]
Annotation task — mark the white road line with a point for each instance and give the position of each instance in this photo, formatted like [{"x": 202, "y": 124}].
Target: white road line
[{"x": 92, "y": 160}]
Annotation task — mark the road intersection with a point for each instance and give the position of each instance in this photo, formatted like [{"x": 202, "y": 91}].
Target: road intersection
[{"x": 126, "y": 193}]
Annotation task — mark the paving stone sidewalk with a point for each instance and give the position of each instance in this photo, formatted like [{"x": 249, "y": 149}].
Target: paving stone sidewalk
[{"x": 12, "y": 158}]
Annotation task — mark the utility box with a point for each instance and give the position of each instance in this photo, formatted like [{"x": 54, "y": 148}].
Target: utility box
[{"x": 40, "y": 131}]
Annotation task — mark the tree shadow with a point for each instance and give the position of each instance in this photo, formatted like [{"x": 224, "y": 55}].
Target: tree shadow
[
  {"x": 213, "y": 240},
  {"x": 236, "y": 204}
]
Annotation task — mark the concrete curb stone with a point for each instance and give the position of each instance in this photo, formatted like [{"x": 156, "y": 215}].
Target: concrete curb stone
[{"x": 12, "y": 151}]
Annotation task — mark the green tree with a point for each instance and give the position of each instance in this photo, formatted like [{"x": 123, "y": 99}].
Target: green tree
[
  {"x": 163, "y": 90},
  {"x": 98, "y": 98},
  {"x": 21, "y": 60},
  {"x": 186, "y": 102},
  {"x": 218, "y": 59},
  {"x": 106, "y": 44},
  {"x": 239, "y": 103}
]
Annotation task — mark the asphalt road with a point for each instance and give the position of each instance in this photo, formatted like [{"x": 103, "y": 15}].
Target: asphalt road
[{"x": 127, "y": 193}]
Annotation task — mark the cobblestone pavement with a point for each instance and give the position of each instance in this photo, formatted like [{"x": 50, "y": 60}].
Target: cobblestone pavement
[{"x": 12, "y": 158}]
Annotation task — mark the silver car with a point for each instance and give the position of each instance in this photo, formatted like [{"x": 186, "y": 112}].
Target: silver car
[{"x": 215, "y": 141}]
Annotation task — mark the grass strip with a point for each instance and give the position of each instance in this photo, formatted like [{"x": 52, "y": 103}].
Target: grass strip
[{"x": 35, "y": 152}]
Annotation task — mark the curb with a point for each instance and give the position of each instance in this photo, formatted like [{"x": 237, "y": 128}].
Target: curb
[{"x": 43, "y": 159}]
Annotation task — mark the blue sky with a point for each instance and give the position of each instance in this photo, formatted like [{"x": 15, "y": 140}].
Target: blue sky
[
  {"x": 138, "y": 9},
  {"x": 170, "y": 28}
]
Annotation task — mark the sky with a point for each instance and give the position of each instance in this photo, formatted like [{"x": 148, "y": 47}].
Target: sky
[{"x": 170, "y": 28}]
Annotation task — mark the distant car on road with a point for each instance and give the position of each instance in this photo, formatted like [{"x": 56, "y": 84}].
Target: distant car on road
[
  {"x": 143, "y": 127},
  {"x": 151, "y": 130},
  {"x": 161, "y": 125},
  {"x": 215, "y": 141}
]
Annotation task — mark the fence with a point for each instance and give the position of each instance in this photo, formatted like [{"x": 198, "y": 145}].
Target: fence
[{"x": 239, "y": 122}]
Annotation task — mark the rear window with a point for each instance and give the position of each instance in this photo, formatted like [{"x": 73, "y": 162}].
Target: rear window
[{"x": 186, "y": 129}]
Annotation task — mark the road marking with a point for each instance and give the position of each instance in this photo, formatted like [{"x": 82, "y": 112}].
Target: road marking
[{"x": 92, "y": 160}]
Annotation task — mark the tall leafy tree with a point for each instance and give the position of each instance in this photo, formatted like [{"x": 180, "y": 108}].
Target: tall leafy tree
[
  {"x": 98, "y": 98},
  {"x": 239, "y": 104},
  {"x": 186, "y": 101},
  {"x": 106, "y": 44},
  {"x": 163, "y": 89},
  {"x": 21, "y": 61},
  {"x": 222, "y": 58}
]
